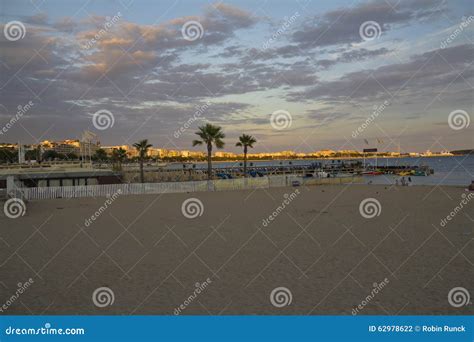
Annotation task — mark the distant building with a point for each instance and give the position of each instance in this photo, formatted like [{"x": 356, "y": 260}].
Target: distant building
[
  {"x": 348, "y": 152},
  {"x": 84, "y": 148},
  {"x": 220, "y": 154},
  {"x": 10, "y": 146},
  {"x": 63, "y": 147},
  {"x": 325, "y": 153},
  {"x": 197, "y": 155},
  {"x": 154, "y": 152},
  {"x": 428, "y": 153},
  {"x": 131, "y": 151}
]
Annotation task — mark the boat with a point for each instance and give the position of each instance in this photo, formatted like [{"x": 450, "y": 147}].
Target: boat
[
  {"x": 343, "y": 175},
  {"x": 420, "y": 173},
  {"x": 320, "y": 174},
  {"x": 372, "y": 173},
  {"x": 413, "y": 173}
]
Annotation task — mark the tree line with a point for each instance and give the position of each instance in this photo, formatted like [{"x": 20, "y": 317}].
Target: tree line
[{"x": 209, "y": 136}]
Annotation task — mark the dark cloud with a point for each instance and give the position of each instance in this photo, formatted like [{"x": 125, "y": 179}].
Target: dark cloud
[
  {"x": 341, "y": 26},
  {"x": 361, "y": 54},
  {"x": 351, "y": 55},
  {"x": 423, "y": 74},
  {"x": 37, "y": 19},
  {"x": 65, "y": 24},
  {"x": 326, "y": 115},
  {"x": 230, "y": 52}
]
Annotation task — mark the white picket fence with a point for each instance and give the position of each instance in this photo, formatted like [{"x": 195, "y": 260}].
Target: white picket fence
[
  {"x": 153, "y": 188},
  {"x": 175, "y": 187}
]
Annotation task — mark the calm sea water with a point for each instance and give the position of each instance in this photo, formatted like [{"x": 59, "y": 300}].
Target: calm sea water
[{"x": 457, "y": 170}]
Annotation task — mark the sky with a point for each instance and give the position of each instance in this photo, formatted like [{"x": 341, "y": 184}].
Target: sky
[{"x": 297, "y": 75}]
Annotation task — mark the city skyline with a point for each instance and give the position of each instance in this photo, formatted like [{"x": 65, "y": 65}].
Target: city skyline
[
  {"x": 77, "y": 146},
  {"x": 336, "y": 74}
]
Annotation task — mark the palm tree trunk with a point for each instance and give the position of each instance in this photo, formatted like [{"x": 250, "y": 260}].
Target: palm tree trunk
[
  {"x": 245, "y": 161},
  {"x": 142, "y": 176},
  {"x": 209, "y": 162}
]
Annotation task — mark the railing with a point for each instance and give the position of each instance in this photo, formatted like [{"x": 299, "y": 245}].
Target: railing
[
  {"x": 107, "y": 190},
  {"x": 44, "y": 165}
]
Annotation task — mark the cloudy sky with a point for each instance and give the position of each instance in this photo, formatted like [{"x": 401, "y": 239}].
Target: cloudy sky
[{"x": 326, "y": 66}]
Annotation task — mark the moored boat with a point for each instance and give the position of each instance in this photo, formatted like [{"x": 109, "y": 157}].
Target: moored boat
[{"x": 372, "y": 173}]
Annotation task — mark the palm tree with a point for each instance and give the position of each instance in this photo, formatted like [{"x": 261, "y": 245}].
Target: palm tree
[
  {"x": 210, "y": 135},
  {"x": 142, "y": 148},
  {"x": 119, "y": 155},
  {"x": 246, "y": 141},
  {"x": 100, "y": 155}
]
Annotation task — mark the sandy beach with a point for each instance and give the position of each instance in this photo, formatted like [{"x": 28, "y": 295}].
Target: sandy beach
[{"x": 242, "y": 245}]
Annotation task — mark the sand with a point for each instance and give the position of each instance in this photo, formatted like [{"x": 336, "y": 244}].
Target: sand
[{"x": 319, "y": 247}]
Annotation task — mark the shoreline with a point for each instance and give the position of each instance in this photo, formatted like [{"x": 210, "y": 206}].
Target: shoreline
[
  {"x": 59, "y": 163},
  {"x": 314, "y": 158}
]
